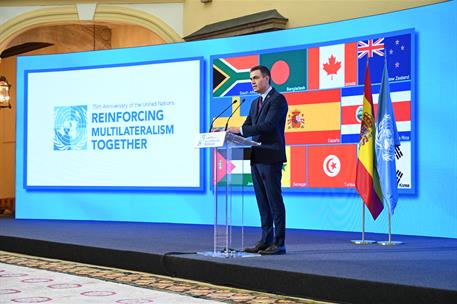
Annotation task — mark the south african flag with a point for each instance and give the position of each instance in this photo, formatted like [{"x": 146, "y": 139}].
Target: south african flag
[{"x": 231, "y": 75}]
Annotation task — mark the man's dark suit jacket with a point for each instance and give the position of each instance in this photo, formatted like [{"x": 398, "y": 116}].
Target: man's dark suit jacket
[{"x": 267, "y": 127}]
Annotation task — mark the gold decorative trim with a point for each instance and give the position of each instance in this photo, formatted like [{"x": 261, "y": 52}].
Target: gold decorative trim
[
  {"x": 69, "y": 2},
  {"x": 23, "y": 22},
  {"x": 69, "y": 14},
  {"x": 134, "y": 16}
]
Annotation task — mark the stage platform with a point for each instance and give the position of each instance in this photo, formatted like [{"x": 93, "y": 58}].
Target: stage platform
[{"x": 320, "y": 265}]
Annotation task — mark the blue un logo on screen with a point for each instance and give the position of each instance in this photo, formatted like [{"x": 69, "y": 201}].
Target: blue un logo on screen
[{"x": 70, "y": 131}]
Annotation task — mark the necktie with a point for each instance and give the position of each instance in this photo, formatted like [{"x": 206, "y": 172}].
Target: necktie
[{"x": 260, "y": 104}]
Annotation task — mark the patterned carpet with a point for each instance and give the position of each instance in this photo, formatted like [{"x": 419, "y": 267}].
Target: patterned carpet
[{"x": 144, "y": 281}]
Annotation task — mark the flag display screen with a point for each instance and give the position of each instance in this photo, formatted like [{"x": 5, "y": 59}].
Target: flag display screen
[
  {"x": 114, "y": 126},
  {"x": 318, "y": 178},
  {"x": 323, "y": 86}
]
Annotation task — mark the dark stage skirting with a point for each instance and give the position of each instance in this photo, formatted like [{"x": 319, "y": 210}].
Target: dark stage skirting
[{"x": 320, "y": 265}]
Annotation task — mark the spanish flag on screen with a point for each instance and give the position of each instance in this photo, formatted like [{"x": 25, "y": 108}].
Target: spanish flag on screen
[
  {"x": 367, "y": 179},
  {"x": 313, "y": 117}
]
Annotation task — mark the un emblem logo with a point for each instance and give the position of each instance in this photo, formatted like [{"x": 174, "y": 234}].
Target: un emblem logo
[{"x": 70, "y": 131}]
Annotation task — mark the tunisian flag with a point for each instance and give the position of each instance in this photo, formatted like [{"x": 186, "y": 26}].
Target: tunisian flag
[
  {"x": 367, "y": 179},
  {"x": 332, "y": 166}
]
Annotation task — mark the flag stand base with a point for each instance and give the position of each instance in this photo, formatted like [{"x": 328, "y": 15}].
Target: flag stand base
[
  {"x": 390, "y": 243},
  {"x": 363, "y": 242}
]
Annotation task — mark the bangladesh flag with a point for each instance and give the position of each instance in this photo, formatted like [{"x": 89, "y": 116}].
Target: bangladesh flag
[{"x": 288, "y": 70}]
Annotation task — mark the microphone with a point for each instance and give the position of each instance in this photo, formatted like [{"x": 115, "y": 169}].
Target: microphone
[
  {"x": 212, "y": 122},
  {"x": 226, "y": 125}
]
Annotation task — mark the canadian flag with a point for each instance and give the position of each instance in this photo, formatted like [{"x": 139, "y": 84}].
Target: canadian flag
[{"x": 333, "y": 66}]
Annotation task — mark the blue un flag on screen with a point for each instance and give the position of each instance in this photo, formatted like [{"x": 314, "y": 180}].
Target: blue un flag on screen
[{"x": 386, "y": 140}]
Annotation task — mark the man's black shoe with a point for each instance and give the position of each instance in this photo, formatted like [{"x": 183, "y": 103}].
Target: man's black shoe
[
  {"x": 273, "y": 250},
  {"x": 258, "y": 247}
]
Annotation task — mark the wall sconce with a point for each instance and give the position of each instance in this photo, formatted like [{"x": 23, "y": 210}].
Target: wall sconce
[{"x": 4, "y": 93}]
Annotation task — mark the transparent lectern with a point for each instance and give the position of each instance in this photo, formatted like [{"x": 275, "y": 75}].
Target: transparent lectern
[{"x": 224, "y": 236}]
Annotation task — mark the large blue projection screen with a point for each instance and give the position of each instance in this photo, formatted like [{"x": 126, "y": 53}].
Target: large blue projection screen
[
  {"x": 114, "y": 126},
  {"x": 430, "y": 210}
]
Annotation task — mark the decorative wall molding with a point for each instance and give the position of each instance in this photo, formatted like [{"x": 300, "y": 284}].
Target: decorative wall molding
[
  {"x": 133, "y": 16},
  {"x": 69, "y": 14},
  {"x": 46, "y": 16},
  {"x": 70, "y": 2},
  {"x": 265, "y": 21}
]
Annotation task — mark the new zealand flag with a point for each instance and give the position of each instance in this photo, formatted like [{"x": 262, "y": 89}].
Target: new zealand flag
[{"x": 397, "y": 49}]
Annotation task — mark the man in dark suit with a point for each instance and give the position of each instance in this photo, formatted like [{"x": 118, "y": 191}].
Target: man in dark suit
[{"x": 265, "y": 123}]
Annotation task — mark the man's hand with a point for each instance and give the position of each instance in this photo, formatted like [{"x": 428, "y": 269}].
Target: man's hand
[{"x": 235, "y": 130}]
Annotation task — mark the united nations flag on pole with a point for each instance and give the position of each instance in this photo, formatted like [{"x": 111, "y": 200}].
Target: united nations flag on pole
[{"x": 386, "y": 140}]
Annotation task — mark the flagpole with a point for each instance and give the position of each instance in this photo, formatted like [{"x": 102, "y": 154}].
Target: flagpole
[
  {"x": 367, "y": 107},
  {"x": 363, "y": 221},
  {"x": 388, "y": 198},
  {"x": 363, "y": 241},
  {"x": 389, "y": 242}
]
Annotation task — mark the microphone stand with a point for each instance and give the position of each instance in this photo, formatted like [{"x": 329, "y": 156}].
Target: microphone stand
[
  {"x": 226, "y": 124},
  {"x": 212, "y": 122}
]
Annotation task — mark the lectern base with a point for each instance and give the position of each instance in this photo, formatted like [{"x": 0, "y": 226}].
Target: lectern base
[{"x": 228, "y": 254}]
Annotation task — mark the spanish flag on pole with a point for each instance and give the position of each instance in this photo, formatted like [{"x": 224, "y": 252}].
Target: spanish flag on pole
[{"x": 367, "y": 179}]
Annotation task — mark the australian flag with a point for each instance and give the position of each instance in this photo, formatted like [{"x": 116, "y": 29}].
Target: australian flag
[
  {"x": 396, "y": 48},
  {"x": 386, "y": 141}
]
